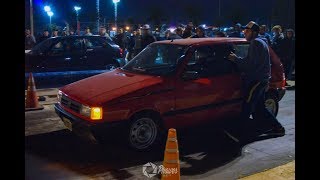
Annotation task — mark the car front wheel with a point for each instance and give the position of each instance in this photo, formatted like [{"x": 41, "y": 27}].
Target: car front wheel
[{"x": 143, "y": 133}]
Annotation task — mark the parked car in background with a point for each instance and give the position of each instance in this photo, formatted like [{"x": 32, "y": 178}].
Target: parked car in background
[
  {"x": 62, "y": 60},
  {"x": 170, "y": 84}
]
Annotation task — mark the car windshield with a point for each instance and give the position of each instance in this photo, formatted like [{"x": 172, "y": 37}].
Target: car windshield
[{"x": 156, "y": 59}]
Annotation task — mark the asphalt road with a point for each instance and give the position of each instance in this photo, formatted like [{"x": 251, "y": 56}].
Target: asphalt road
[{"x": 53, "y": 152}]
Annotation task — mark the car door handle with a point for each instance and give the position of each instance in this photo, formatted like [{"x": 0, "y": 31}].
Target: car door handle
[
  {"x": 84, "y": 57},
  {"x": 67, "y": 58}
]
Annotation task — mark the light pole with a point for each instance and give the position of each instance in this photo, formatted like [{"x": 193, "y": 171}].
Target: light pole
[
  {"x": 98, "y": 14},
  {"x": 115, "y": 13},
  {"x": 49, "y": 13},
  {"x": 31, "y": 18},
  {"x": 219, "y": 9},
  {"x": 77, "y": 8}
]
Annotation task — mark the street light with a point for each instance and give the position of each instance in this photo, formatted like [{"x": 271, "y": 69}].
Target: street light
[
  {"x": 50, "y": 13},
  {"x": 115, "y": 12},
  {"x": 77, "y": 8},
  {"x": 47, "y": 8}
]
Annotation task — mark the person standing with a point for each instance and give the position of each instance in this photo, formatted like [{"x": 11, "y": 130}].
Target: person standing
[
  {"x": 237, "y": 31},
  {"x": 263, "y": 34},
  {"x": 256, "y": 70},
  {"x": 146, "y": 36},
  {"x": 289, "y": 52},
  {"x": 103, "y": 33},
  {"x": 29, "y": 40},
  {"x": 87, "y": 32},
  {"x": 200, "y": 33},
  {"x": 45, "y": 35},
  {"x": 55, "y": 33}
]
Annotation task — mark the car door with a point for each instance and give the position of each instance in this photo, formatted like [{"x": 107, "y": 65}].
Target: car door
[
  {"x": 213, "y": 94},
  {"x": 99, "y": 55}
]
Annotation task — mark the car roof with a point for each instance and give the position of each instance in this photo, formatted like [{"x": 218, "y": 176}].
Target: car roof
[
  {"x": 82, "y": 36},
  {"x": 201, "y": 41}
]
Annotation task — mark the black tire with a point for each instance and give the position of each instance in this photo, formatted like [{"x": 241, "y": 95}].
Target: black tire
[
  {"x": 272, "y": 103},
  {"x": 145, "y": 132}
]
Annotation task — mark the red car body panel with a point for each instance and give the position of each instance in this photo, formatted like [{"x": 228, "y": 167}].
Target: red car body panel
[{"x": 179, "y": 103}]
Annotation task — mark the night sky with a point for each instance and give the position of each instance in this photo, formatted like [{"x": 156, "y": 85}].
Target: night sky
[{"x": 172, "y": 10}]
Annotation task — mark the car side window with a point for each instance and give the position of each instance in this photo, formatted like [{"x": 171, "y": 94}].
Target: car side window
[
  {"x": 58, "y": 48},
  {"x": 76, "y": 45},
  {"x": 219, "y": 64},
  {"x": 199, "y": 59},
  {"x": 94, "y": 42},
  {"x": 211, "y": 61}
]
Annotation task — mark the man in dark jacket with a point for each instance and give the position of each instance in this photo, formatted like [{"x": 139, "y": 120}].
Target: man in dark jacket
[
  {"x": 146, "y": 36},
  {"x": 289, "y": 52},
  {"x": 200, "y": 32},
  {"x": 257, "y": 72},
  {"x": 44, "y": 36}
]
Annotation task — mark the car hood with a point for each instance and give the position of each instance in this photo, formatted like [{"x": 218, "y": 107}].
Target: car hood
[{"x": 104, "y": 87}]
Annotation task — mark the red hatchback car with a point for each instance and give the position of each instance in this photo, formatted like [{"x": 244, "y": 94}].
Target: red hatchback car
[{"x": 170, "y": 84}]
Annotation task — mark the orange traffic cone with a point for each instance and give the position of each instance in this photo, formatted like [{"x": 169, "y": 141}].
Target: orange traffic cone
[
  {"x": 32, "y": 102},
  {"x": 171, "y": 164}
]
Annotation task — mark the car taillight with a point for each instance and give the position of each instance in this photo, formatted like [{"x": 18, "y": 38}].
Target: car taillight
[{"x": 283, "y": 81}]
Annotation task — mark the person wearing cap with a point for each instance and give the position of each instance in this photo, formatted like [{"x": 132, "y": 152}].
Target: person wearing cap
[
  {"x": 256, "y": 72},
  {"x": 200, "y": 33},
  {"x": 146, "y": 36}
]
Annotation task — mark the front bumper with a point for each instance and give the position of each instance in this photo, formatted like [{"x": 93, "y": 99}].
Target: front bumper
[{"x": 88, "y": 130}]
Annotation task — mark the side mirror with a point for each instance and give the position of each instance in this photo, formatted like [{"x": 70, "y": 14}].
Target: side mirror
[{"x": 190, "y": 75}]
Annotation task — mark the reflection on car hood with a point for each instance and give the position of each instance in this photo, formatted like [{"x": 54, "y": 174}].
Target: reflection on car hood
[{"x": 107, "y": 86}]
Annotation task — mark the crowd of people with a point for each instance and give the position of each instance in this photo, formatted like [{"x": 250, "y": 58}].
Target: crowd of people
[{"x": 282, "y": 42}]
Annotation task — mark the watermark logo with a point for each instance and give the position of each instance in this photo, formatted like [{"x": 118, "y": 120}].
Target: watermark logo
[{"x": 151, "y": 170}]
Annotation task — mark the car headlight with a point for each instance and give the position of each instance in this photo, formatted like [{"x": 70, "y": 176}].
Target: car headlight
[
  {"x": 95, "y": 113},
  {"x": 59, "y": 96}
]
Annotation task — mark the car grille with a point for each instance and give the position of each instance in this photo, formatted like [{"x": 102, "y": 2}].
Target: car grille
[{"x": 71, "y": 104}]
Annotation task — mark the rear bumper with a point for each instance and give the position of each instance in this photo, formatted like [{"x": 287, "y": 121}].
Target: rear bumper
[{"x": 89, "y": 130}]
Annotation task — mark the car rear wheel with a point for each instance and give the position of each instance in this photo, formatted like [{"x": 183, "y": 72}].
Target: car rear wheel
[
  {"x": 144, "y": 133},
  {"x": 272, "y": 103}
]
